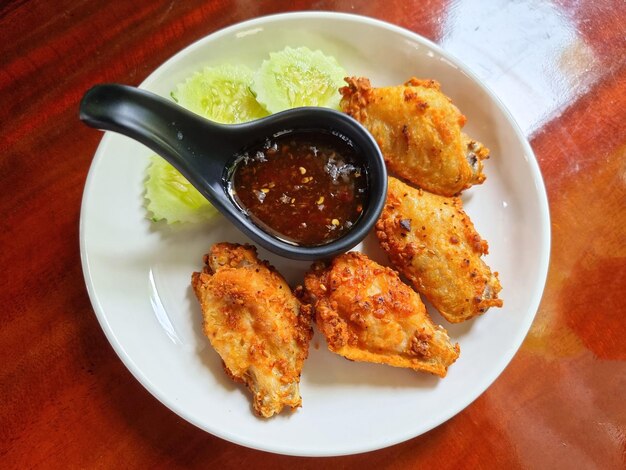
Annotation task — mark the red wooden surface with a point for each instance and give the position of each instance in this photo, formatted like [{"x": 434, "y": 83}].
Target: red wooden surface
[{"x": 67, "y": 400}]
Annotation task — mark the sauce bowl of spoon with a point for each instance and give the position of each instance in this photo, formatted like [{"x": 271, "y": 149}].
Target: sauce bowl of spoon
[{"x": 232, "y": 165}]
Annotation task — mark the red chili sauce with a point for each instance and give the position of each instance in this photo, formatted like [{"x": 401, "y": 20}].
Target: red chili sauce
[{"x": 306, "y": 187}]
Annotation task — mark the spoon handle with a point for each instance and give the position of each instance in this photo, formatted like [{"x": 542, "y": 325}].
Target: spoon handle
[{"x": 178, "y": 135}]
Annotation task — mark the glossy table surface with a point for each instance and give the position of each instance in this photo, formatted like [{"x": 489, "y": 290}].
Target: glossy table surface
[{"x": 67, "y": 400}]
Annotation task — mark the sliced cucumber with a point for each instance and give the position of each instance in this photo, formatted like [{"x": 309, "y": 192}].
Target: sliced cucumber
[
  {"x": 171, "y": 197},
  {"x": 298, "y": 77},
  {"x": 221, "y": 94}
]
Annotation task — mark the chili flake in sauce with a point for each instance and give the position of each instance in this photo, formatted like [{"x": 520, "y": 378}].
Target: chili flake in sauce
[{"x": 306, "y": 187}]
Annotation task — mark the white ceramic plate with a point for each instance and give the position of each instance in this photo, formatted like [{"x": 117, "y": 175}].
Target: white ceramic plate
[{"x": 138, "y": 273}]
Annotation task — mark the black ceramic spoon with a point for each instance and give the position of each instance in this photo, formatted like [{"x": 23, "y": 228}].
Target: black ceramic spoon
[{"x": 203, "y": 152}]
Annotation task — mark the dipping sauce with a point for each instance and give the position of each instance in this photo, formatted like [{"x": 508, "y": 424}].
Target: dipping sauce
[{"x": 305, "y": 187}]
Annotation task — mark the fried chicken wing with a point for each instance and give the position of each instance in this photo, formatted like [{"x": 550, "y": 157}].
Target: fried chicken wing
[
  {"x": 255, "y": 323},
  {"x": 432, "y": 241},
  {"x": 368, "y": 314},
  {"x": 419, "y": 133}
]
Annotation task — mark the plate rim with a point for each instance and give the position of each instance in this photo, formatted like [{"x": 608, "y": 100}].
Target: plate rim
[{"x": 505, "y": 358}]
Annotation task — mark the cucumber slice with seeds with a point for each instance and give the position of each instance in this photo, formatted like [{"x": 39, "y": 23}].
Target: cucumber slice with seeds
[
  {"x": 170, "y": 197},
  {"x": 221, "y": 94},
  {"x": 298, "y": 77}
]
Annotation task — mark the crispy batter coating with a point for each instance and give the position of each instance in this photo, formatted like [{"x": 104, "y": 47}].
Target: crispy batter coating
[
  {"x": 419, "y": 133},
  {"x": 432, "y": 241},
  {"x": 255, "y": 323},
  {"x": 368, "y": 314}
]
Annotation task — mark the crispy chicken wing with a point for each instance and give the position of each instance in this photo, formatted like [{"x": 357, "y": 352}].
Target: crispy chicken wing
[
  {"x": 368, "y": 314},
  {"x": 432, "y": 241},
  {"x": 255, "y": 323},
  {"x": 419, "y": 133}
]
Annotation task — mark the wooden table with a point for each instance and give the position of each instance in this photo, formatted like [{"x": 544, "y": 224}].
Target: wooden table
[{"x": 66, "y": 400}]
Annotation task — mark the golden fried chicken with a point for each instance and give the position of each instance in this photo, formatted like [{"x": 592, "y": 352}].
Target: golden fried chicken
[
  {"x": 419, "y": 133},
  {"x": 255, "y": 323},
  {"x": 368, "y": 314},
  {"x": 432, "y": 241}
]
